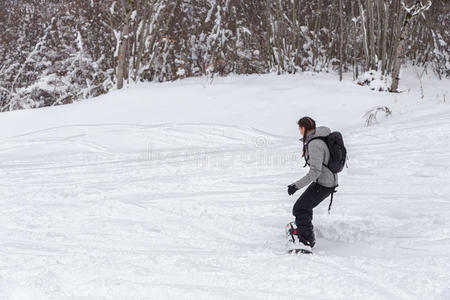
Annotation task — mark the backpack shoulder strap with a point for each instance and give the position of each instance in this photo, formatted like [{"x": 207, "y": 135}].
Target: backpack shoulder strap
[{"x": 322, "y": 138}]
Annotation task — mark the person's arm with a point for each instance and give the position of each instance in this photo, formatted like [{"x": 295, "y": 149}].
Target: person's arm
[{"x": 316, "y": 157}]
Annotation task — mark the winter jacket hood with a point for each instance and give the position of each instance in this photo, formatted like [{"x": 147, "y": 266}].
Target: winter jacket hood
[{"x": 318, "y": 132}]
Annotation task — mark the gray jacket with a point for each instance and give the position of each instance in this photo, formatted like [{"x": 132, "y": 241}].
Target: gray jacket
[{"x": 317, "y": 154}]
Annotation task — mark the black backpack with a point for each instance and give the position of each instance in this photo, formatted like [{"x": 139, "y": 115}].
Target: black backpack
[
  {"x": 338, "y": 155},
  {"x": 338, "y": 152}
]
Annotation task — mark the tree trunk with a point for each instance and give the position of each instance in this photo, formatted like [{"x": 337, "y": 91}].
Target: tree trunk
[
  {"x": 122, "y": 55},
  {"x": 295, "y": 31},
  {"x": 269, "y": 39},
  {"x": 399, "y": 52},
  {"x": 384, "y": 37},
  {"x": 316, "y": 34},
  {"x": 123, "y": 45},
  {"x": 398, "y": 17},
  {"x": 373, "y": 59},
  {"x": 341, "y": 40},
  {"x": 365, "y": 37},
  {"x": 354, "y": 32},
  {"x": 379, "y": 37}
]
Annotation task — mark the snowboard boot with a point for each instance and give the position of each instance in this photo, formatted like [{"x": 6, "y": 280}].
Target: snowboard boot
[{"x": 307, "y": 241}]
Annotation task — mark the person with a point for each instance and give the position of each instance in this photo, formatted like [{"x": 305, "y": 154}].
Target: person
[{"x": 322, "y": 182}]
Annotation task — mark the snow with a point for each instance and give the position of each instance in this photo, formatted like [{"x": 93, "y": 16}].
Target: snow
[
  {"x": 375, "y": 80},
  {"x": 112, "y": 8},
  {"x": 178, "y": 191}
]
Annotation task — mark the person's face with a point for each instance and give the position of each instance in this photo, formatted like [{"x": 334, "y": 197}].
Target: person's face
[{"x": 302, "y": 130}]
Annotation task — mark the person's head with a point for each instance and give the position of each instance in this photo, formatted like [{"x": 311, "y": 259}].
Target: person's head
[{"x": 305, "y": 125}]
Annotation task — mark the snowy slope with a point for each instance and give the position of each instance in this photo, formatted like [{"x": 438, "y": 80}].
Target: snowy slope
[{"x": 178, "y": 191}]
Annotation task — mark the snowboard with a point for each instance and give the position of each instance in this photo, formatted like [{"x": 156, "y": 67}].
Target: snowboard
[{"x": 293, "y": 245}]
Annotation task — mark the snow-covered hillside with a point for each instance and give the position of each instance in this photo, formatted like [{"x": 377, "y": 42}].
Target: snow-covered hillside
[{"x": 178, "y": 191}]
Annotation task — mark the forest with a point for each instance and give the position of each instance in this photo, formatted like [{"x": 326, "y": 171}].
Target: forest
[{"x": 55, "y": 52}]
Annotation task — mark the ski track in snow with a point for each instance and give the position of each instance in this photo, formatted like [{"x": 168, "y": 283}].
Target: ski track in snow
[{"x": 197, "y": 211}]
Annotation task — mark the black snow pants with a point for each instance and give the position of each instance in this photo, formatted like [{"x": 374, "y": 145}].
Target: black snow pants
[{"x": 303, "y": 208}]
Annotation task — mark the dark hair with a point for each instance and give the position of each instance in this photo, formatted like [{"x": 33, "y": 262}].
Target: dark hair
[{"x": 309, "y": 124}]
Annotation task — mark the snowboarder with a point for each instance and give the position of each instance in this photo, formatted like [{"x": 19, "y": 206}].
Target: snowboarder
[{"x": 321, "y": 180}]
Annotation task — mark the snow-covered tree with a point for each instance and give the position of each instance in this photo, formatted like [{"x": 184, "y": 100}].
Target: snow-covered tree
[{"x": 58, "y": 51}]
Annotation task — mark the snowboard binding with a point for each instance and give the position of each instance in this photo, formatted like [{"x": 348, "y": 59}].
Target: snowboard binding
[{"x": 296, "y": 243}]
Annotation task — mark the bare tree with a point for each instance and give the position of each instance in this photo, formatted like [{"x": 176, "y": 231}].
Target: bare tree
[
  {"x": 383, "y": 7},
  {"x": 371, "y": 36},
  {"x": 411, "y": 12},
  {"x": 341, "y": 39},
  {"x": 365, "y": 35},
  {"x": 354, "y": 37},
  {"x": 126, "y": 11}
]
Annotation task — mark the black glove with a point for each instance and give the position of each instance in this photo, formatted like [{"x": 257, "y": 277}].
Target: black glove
[{"x": 292, "y": 189}]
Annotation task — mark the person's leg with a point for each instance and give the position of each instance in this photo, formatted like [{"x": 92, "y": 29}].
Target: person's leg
[
  {"x": 302, "y": 211},
  {"x": 303, "y": 208}
]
